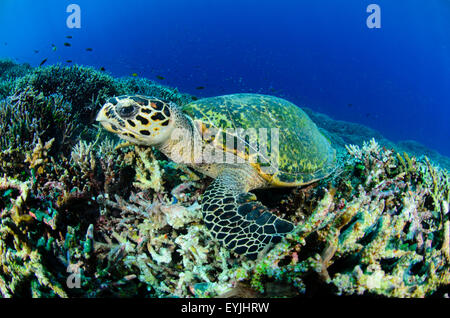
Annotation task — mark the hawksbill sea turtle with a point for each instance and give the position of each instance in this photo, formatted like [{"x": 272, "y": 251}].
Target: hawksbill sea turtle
[{"x": 233, "y": 215}]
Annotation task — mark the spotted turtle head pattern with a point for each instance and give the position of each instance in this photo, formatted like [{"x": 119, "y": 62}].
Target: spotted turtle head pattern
[{"x": 138, "y": 119}]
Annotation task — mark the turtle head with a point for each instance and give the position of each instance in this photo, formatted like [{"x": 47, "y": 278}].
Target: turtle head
[{"x": 138, "y": 119}]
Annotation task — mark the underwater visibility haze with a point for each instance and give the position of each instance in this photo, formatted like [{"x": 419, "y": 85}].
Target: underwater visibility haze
[{"x": 94, "y": 202}]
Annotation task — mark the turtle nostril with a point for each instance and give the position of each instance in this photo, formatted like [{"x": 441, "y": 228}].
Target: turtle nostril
[{"x": 126, "y": 111}]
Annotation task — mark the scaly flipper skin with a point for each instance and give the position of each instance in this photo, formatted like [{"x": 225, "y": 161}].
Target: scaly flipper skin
[{"x": 237, "y": 220}]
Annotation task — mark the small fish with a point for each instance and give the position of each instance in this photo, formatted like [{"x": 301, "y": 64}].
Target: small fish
[
  {"x": 200, "y": 87},
  {"x": 53, "y": 47},
  {"x": 6, "y": 43},
  {"x": 134, "y": 74},
  {"x": 89, "y": 49},
  {"x": 36, "y": 51},
  {"x": 102, "y": 69},
  {"x": 350, "y": 105},
  {"x": 67, "y": 44},
  {"x": 43, "y": 62},
  {"x": 69, "y": 61},
  {"x": 159, "y": 77},
  {"x": 68, "y": 37}
]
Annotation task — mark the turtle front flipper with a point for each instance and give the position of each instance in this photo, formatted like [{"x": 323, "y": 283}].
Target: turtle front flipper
[{"x": 237, "y": 220}]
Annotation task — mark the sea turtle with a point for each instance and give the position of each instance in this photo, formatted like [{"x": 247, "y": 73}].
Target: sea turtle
[{"x": 244, "y": 142}]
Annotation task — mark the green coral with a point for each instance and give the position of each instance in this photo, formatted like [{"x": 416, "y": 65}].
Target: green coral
[
  {"x": 29, "y": 116},
  {"x": 11, "y": 69},
  {"x": 84, "y": 87},
  {"x": 9, "y": 72},
  {"x": 87, "y": 88},
  {"x": 22, "y": 269}
]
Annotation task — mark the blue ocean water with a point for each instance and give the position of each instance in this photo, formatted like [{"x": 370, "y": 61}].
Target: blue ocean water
[{"x": 319, "y": 54}]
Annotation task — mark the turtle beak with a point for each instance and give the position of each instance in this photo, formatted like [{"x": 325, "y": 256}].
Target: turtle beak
[
  {"x": 101, "y": 117},
  {"x": 105, "y": 121}
]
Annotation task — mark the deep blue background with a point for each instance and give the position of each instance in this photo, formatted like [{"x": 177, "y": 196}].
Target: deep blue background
[{"x": 315, "y": 53}]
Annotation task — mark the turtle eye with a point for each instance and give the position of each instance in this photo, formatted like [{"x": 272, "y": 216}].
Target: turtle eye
[{"x": 126, "y": 111}]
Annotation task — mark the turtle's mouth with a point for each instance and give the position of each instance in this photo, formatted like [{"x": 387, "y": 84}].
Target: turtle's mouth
[
  {"x": 106, "y": 122},
  {"x": 110, "y": 127},
  {"x": 115, "y": 128},
  {"x": 110, "y": 124}
]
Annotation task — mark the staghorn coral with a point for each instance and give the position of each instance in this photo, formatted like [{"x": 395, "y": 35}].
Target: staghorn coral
[
  {"x": 11, "y": 69},
  {"x": 83, "y": 156},
  {"x": 123, "y": 221},
  {"x": 29, "y": 115},
  {"x": 37, "y": 220},
  {"x": 87, "y": 88},
  {"x": 6, "y": 87},
  {"x": 84, "y": 87},
  {"x": 9, "y": 72},
  {"x": 381, "y": 239}
]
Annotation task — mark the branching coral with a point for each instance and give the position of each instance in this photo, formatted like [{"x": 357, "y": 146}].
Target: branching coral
[
  {"x": 78, "y": 84},
  {"x": 168, "y": 242},
  {"x": 382, "y": 239},
  {"x": 83, "y": 156},
  {"x": 124, "y": 221},
  {"x": 10, "y": 69},
  {"x": 148, "y": 171},
  {"x": 86, "y": 88},
  {"x": 28, "y": 115},
  {"x": 379, "y": 227},
  {"x": 38, "y": 157},
  {"x": 9, "y": 72},
  {"x": 21, "y": 262}
]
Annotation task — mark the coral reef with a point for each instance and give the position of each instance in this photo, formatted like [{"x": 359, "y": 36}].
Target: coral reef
[
  {"x": 22, "y": 262},
  {"x": 380, "y": 229},
  {"x": 82, "y": 215},
  {"x": 10, "y": 69},
  {"x": 342, "y": 133},
  {"x": 87, "y": 88},
  {"x": 27, "y": 117},
  {"x": 83, "y": 87},
  {"x": 9, "y": 72}
]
